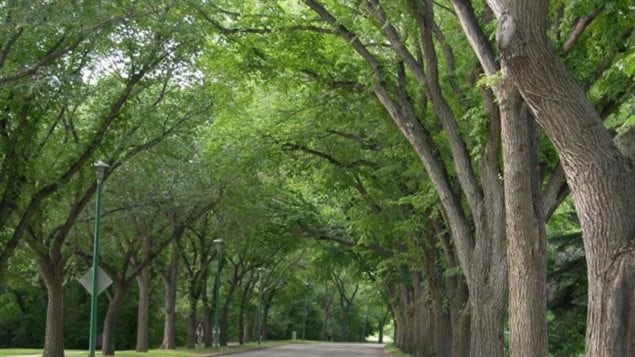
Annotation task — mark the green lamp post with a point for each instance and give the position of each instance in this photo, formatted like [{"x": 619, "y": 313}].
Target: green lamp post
[
  {"x": 260, "y": 272},
  {"x": 304, "y": 312},
  {"x": 219, "y": 251},
  {"x": 100, "y": 168}
]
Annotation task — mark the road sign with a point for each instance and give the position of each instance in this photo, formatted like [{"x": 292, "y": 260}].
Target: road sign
[{"x": 103, "y": 281}]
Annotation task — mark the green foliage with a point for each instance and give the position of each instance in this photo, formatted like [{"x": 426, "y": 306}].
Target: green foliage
[{"x": 309, "y": 176}]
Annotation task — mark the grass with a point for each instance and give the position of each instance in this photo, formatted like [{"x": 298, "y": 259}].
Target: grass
[
  {"x": 10, "y": 352},
  {"x": 18, "y": 352},
  {"x": 394, "y": 351},
  {"x": 179, "y": 352}
]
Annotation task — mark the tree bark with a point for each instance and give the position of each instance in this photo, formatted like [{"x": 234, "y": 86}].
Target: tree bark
[
  {"x": 207, "y": 316},
  {"x": 601, "y": 178},
  {"x": 436, "y": 289},
  {"x": 526, "y": 252},
  {"x": 524, "y": 217},
  {"x": 236, "y": 278},
  {"x": 243, "y": 320},
  {"x": 458, "y": 297},
  {"x": 143, "y": 281},
  {"x": 169, "y": 281},
  {"x": 51, "y": 271},
  {"x": 110, "y": 321},
  {"x": 192, "y": 323}
]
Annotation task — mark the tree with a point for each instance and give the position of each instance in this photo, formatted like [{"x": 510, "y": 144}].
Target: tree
[
  {"x": 480, "y": 241},
  {"x": 599, "y": 175},
  {"x": 526, "y": 252}
]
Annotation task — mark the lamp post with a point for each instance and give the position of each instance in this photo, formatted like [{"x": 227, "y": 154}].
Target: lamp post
[
  {"x": 304, "y": 312},
  {"x": 100, "y": 168},
  {"x": 219, "y": 251},
  {"x": 260, "y": 271}
]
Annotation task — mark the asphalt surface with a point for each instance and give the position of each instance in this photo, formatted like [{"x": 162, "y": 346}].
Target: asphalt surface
[{"x": 319, "y": 349}]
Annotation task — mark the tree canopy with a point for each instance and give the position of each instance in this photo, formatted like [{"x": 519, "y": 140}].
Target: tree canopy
[{"x": 457, "y": 174}]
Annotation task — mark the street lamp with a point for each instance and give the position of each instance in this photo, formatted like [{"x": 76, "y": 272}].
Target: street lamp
[
  {"x": 219, "y": 251},
  {"x": 304, "y": 312},
  {"x": 260, "y": 271},
  {"x": 100, "y": 168}
]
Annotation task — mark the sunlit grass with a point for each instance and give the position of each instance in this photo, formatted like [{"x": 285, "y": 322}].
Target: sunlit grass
[
  {"x": 180, "y": 352},
  {"x": 18, "y": 352},
  {"x": 10, "y": 352}
]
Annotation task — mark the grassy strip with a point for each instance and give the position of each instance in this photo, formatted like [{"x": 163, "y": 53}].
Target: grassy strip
[
  {"x": 179, "y": 352},
  {"x": 394, "y": 351}
]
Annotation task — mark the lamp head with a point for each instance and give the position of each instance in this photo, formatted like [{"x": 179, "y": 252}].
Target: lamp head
[
  {"x": 100, "y": 169},
  {"x": 218, "y": 243}
]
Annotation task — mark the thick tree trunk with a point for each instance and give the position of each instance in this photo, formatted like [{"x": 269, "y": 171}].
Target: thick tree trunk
[
  {"x": 224, "y": 323},
  {"x": 207, "y": 320},
  {"x": 526, "y": 252},
  {"x": 243, "y": 319},
  {"x": 169, "y": 281},
  {"x": 442, "y": 330},
  {"x": 486, "y": 322},
  {"x": 54, "y": 332},
  {"x": 424, "y": 323},
  {"x": 325, "y": 334},
  {"x": 487, "y": 284},
  {"x": 457, "y": 295},
  {"x": 265, "y": 318},
  {"x": 192, "y": 323},
  {"x": 461, "y": 321},
  {"x": 488, "y": 313},
  {"x": 143, "y": 307},
  {"x": 524, "y": 219},
  {"x": 440, "y": 318},
  {"x": 600, "y": 177},
  {"x": 460, "y": 318},
  {"x": 243, "y": 326},
  {"x": 110, "y": 321}
]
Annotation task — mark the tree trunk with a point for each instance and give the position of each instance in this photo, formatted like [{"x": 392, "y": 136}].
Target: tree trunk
[
  {"x": 460, "y": 319},
  {"x": 441, "y": 330},
  {"x": 110, "y": 321},
  {"x": 52, "y": 275},
  {"x": 143, "y": 281},
  {"x": 243, "y": 326},
  {"x": 224, "y": 331},
  {"x": 325, "y": 334},
  {"x": 243, "y": 314},
  {"x": 526, "y": 252},
  {"x": 524, "y": 219},
  {"x": 265, "y": 318},
  {"x": 486, "y": 321},
  {"x": 224, "y": 322},
  {"x": 169, "y": 281},
  {"x": 457, "y": 295},
  {"x": 601, "y": 178},
  {"x": 382, "y": 323},
  {"x": 207, "y": 316},
  {"x": 192, "y": 323},
  {"x": 423, "y": 320}
]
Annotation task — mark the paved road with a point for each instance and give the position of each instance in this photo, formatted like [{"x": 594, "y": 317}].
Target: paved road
[{"x": 319, "y": 349}]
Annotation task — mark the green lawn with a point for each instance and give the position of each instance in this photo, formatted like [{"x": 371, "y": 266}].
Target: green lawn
[{"x": 181, "y": 352}]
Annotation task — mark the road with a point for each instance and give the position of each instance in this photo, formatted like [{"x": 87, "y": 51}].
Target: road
[{"x": 319, "y": 349}]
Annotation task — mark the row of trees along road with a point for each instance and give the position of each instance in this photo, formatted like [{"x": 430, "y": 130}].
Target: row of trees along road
[{"x": 458, "y": 167}]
